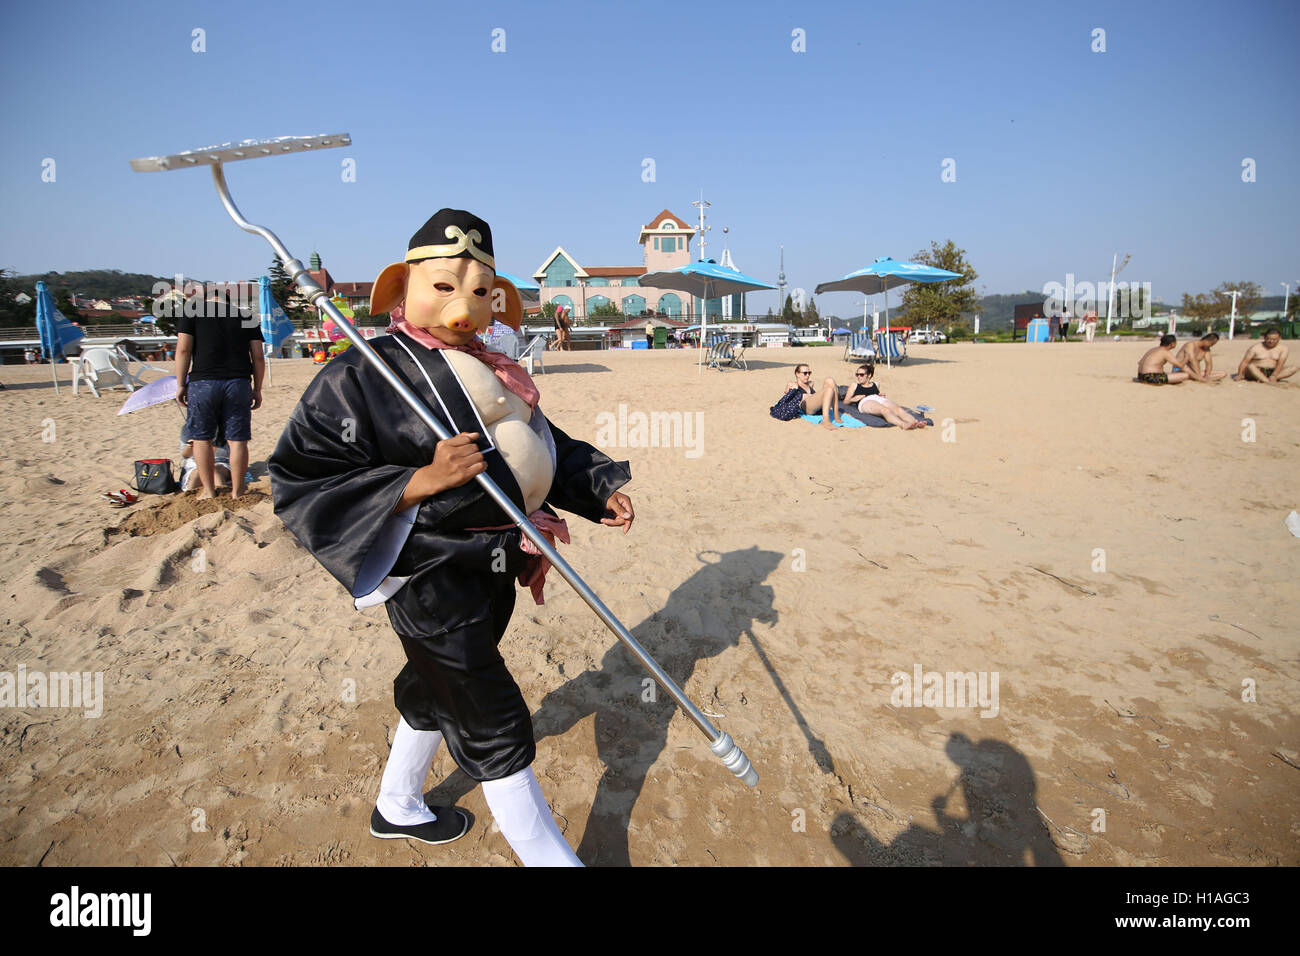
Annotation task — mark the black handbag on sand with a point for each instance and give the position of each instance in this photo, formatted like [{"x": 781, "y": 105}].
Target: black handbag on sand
[
  {"x": 789, "y": 406},
  {"x": 153, "y": 476}
]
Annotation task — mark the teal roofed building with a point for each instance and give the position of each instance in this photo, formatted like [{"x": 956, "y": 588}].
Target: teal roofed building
[{"x": 665, "y": 244}]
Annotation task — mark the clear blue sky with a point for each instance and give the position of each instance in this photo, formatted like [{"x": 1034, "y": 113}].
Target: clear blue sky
[{"x": 1063, "y": 156}]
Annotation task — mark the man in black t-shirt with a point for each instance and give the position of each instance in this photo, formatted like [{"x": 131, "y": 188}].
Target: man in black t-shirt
[{"x": 219, "y": 371}]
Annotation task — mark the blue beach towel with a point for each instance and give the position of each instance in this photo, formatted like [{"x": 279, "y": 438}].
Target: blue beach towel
[{"x": 847, "y": 423}]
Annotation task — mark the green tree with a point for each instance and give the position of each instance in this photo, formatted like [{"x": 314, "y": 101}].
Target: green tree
[
  {"x": 950, "y": 304},
  {"x": 548, "y": 311},
  {"x": 1216, "y": 305},
  {"x": 1248, "y": 299},
  {"x": 13, "y": 312},
  {"x": 1203, "y": 309},
  {"x": 787, "y": 311},
  {"x": 63, "y": 302},
  {"x": 606, "y": 310},
  {"x": 811, "y": 316},
  {"x": 283, "y": 289}
]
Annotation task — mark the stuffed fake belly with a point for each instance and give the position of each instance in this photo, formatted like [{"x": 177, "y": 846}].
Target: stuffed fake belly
[
  {"x": 527, "y": 455},
  {"x": 507, "y": 418}
]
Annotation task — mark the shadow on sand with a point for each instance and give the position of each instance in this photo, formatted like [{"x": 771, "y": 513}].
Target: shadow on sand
[
  {"x": 710, "y": 612},
  {"x": 1003, "y": 826},
  {"x": 579, "y": 367},
  {"x": 705, "y": 615}
]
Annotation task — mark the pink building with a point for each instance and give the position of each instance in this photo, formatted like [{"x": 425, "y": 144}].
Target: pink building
[{"x": 665, "y": 244}]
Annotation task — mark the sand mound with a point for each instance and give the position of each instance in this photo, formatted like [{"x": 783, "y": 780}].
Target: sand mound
[{"x": 169, "y": 513}]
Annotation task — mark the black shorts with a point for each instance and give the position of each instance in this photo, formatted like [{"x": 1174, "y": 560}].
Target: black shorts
[{"x": 450, "y": 621}]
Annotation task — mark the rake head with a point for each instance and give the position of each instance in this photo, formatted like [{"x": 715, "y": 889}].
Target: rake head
[{"x": 246, "y": 149}]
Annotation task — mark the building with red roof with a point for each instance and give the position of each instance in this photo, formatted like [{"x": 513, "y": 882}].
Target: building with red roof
[{"x": 665, "y": 244}]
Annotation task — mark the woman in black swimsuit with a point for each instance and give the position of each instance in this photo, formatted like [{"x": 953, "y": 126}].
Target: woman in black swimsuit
[
  {"x": 870, "y": 400},
  {"x": 827, "y": 405}
]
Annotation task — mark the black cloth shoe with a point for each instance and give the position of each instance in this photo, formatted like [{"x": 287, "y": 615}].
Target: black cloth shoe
[{"x": 451, "y": 825}]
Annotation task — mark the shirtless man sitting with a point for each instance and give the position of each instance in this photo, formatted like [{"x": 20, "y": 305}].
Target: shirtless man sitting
[
  {"x": 1151, "y": 366},
  {"x": 1194, "y": 358},
  {"x": 1265, "y": 361}
]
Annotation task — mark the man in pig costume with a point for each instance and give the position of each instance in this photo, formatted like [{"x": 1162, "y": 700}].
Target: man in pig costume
[{"x": 395, "y": 515}]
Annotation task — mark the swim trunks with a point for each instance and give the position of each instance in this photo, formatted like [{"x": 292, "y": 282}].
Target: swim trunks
[{"x": 1153, "y": 378}]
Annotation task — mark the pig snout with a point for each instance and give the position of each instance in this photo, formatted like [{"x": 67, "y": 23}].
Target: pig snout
[{"x": 456, "y": 316}]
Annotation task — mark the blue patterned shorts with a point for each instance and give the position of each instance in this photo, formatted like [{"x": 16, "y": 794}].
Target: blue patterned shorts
[{"x": 227, "y": 402}]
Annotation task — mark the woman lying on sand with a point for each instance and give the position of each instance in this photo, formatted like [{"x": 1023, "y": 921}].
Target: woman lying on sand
[{"x": 870, "y": 400}]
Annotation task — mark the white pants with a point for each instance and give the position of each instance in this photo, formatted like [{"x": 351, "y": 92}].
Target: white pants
[{"x": 516, "y": 801}]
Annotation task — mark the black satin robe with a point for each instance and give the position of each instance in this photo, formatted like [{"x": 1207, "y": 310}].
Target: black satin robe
[{"x": 337, "y": 473}]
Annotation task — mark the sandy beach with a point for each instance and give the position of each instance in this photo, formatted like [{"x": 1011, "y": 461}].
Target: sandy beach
[{"x": 1111, "y": 558}]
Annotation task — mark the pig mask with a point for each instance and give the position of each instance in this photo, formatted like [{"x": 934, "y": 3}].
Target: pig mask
[{"x": 447, "y": 283}]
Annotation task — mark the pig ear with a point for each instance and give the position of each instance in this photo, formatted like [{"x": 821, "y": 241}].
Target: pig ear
[
  {"x": 507, "y": 307},
  {"x": 390, "y": 288}
]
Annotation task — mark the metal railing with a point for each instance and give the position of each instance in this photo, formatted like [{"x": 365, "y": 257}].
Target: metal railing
[{"x": 27, "y": 332}]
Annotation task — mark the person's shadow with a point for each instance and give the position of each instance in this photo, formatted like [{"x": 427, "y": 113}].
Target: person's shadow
[
  {"x": 705, "y": 615},
  {"x": 1003, "y": 825}
]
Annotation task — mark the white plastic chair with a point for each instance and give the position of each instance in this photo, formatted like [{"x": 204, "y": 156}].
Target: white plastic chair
[
  {"x": 531, "y": 354},
  {"x": 124, "y": 362},
  {"x": 99, "y": 367}
]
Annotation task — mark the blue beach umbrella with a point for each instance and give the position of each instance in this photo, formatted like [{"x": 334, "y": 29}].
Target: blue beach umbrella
[
  {"x": 884, "y": 274},
  {"x": 528, "y": 291},
  {"x": 276, "y": 326},
  {"x": 704, "y": 280},
  {"x": 55, "y": 331}
]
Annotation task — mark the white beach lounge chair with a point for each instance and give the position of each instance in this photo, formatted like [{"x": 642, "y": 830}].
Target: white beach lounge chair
[
  {"x": 99, "y": 367},
  {"x": 725, "y": 353},
  {"x": 860, "y": 348},
  {"x": 892, "y": 346}
]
